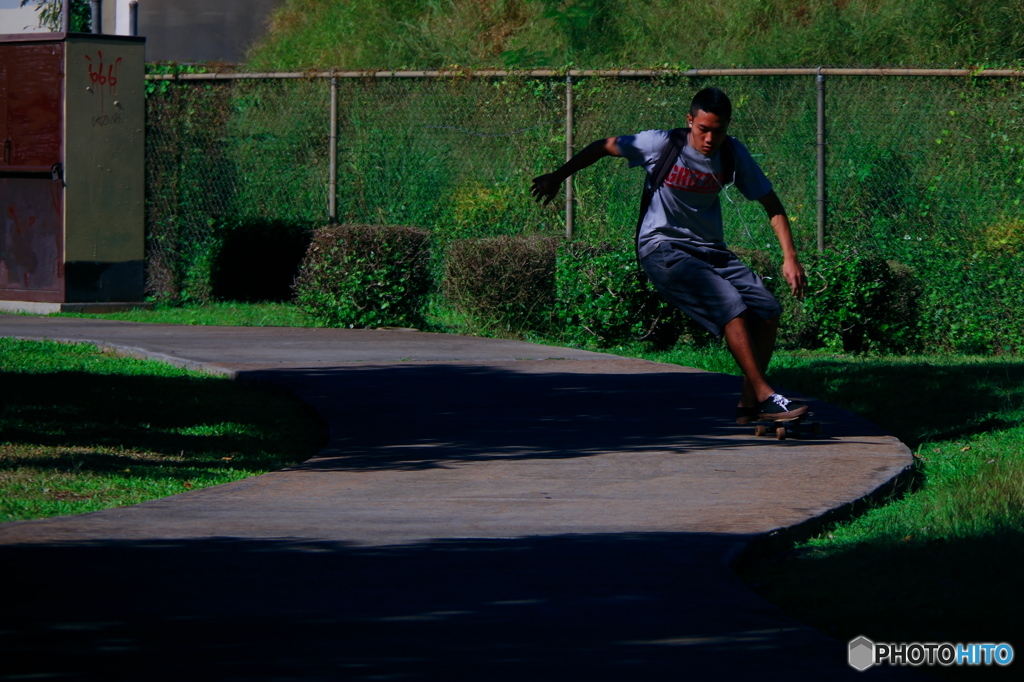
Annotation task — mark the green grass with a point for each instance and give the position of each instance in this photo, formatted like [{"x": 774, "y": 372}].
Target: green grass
[
  {"x": 440, "y": 316},
  {"x": 82, "y": 430},
  {"x": 224, "y": 314}
]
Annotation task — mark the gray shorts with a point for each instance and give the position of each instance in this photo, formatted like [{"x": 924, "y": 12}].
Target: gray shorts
[{"x": 712, "y": 286}]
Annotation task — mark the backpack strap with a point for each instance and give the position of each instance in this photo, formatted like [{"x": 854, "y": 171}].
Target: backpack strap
[
  {"x": 656, "y": 178},
  {"x": 728, "y": 158}
]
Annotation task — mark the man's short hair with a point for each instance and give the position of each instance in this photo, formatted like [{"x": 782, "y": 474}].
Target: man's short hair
[{"x": 713, "y": 101}]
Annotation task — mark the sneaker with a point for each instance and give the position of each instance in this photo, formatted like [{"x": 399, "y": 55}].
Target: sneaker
[
  {"x": 780, "y": 407},
  {"x": 746, "y": 415}
]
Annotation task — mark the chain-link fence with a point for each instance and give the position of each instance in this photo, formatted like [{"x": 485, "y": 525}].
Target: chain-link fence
[{"x": 918, "y": 165}]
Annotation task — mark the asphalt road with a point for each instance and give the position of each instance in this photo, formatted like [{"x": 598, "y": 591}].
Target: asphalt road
[{"x": 484, "y": 510}]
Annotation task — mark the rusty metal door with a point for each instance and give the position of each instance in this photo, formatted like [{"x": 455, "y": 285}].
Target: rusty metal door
[
  {"x": 31, "y": 239},
  {"x": 31, "y": 93},
  {"x": 31, "y": 183}
]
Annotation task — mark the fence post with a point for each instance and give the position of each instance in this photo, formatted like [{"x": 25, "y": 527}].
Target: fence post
[
  {"x": 332, "y": 155},
  {"x": 570, "y": 204},
  {"x": 822, "y": 197}
]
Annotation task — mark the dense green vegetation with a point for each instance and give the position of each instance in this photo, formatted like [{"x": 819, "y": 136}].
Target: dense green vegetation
[
  {"x": 367, "y": 34},
  {"x": 923, "y": 176},
  {"x": 935, "y": 189}
]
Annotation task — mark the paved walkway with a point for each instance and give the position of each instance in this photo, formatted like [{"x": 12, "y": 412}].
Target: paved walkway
[{"x": 484, "y": 510}]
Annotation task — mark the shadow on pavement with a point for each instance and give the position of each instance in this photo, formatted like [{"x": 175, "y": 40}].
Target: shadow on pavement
[
  {"x": 601, "y": 607},
  {"x": 421, "y": 416}
]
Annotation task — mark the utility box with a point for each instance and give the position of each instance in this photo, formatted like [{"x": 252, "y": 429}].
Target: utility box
[{"x": 72, "y": 172}]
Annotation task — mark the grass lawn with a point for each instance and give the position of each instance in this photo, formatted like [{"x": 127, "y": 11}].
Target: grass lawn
[
  {"x": 82, "y": 430},
  {"x": 226, "y": 314}
]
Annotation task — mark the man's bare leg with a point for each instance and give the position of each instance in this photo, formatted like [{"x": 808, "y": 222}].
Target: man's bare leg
[
  {"x": 762, "y": 338},
  {"x": 739, "y": 338},
  {"x": 741, "y": 335}
]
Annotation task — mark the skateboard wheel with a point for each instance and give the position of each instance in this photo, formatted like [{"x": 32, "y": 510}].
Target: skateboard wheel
[
  {"x": 780, "y": 433},
  {"x": 760, "y": 430}
]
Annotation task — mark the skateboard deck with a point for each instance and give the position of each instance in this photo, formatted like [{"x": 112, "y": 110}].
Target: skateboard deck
[{"x": 786, "y": 428}]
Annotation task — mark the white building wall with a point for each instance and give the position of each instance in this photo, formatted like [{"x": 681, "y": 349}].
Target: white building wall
[{"x": 121, "y": 16}]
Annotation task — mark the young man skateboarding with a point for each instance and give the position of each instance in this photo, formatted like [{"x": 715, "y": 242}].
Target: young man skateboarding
[{"x": 681, "y": 246}]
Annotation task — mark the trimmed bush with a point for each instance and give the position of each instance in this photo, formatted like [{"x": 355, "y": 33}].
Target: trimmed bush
[
  {"x": 365, "y": 276},
  {"x": 502, "y": 284},
  {"x": 860, "y": 302},
  {"x": 604, "y": 299}
]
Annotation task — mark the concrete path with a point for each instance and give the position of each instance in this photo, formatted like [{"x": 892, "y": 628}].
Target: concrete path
[{"x": 484, "y": 510}]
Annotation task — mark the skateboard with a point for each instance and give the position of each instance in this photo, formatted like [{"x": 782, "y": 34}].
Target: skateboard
[{"x": 785, "y": 428}]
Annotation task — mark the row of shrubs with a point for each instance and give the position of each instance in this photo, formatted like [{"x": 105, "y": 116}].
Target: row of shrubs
[{"x": 584, "y": 294}]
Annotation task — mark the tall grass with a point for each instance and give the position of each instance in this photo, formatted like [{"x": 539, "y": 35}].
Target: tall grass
[{"x": 363, "y": 34}]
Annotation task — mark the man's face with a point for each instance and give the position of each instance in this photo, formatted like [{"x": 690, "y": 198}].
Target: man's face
[{"x": 707, "y": 132}]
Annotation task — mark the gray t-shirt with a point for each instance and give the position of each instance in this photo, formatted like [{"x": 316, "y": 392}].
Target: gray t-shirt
[{"x": 687, "y": 206}]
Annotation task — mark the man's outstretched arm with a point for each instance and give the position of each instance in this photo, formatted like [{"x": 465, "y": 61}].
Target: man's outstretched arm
[
  {"x": 792, "y": 270},
  {"x": 545, "y": 187}
]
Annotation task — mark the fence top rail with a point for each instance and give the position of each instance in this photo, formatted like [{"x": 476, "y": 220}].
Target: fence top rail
[{"x": 584, "y": 73}]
